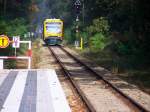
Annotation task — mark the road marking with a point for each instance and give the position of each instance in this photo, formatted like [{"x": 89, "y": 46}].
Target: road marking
[
  {"x": 57, "y": 94},
  {"x": 43, "y": 90},
  {"x": 6, "y": 86},
  {"x": 28, "y": 102},
  {"x": 13, "y": 100},
  {"x": 31, "y": 91},
  {"x": 3, "y": 76}
]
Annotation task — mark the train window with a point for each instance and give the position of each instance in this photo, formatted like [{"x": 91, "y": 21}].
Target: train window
[{"x": 53, "y": 27}]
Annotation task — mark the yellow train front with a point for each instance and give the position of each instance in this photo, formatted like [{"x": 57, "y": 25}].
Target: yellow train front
[{"x": 53, "y": 31}]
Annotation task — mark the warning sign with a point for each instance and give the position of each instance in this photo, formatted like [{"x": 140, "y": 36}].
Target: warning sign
[
  {"x": 4, "y": 41},
  {"x": 16, "y": 42}
]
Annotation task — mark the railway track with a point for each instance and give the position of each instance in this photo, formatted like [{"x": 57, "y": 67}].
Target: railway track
[{"x": 97, "y": 93}]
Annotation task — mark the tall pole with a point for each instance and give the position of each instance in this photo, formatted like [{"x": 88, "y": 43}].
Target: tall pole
[
  {"x": 83, "y": 12},
  {"x": 77, "y": 8}
]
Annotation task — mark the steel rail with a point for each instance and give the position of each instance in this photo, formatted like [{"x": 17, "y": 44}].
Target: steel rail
[
  {"x": 73, "y": 82},
  {"x": 132, "y": 101}
]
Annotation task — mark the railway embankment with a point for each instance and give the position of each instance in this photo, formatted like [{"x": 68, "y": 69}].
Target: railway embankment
[
  {"x": 119, "y": 67},
  {"x": 130, "y": 89}
]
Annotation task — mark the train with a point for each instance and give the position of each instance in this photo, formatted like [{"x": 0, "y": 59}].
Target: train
[{"x": 53, "y": 31}]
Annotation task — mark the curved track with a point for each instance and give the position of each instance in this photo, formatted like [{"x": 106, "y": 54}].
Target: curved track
[{"x": 91, "y": 85}]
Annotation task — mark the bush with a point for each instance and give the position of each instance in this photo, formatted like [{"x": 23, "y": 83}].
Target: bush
[
  {"x": 99, "y": 25},
  {"x": 98, "y": 42},
  {"x": 98, "y": 33}
]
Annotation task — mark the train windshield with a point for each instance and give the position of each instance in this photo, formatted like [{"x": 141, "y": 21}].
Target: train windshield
[{"x": 53, "y": 27}]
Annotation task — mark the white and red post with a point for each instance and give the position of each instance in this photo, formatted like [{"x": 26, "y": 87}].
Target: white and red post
[{"x": 28, "y": 57}]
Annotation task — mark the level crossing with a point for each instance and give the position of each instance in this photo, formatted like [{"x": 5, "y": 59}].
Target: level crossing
[{"x": 31, "y": 91}]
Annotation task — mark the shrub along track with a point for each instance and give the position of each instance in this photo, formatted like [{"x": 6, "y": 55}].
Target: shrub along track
[{"x": 98, "y": 94}]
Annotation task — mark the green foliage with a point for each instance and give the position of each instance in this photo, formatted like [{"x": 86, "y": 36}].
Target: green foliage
[
  {"x": 14, "y": 27},
  {"x": 123, "y": 49},
  {"x": 14, "y": 8},
  {"x": 61, "y": 9},
  {"x": 98, "y": 33},
  {"x": 68, "y": 36},
  {"x": 99, "y": 25},
  {"x": 98, "y": 42}
]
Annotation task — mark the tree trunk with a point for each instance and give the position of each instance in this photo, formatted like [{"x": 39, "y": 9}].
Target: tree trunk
[{"x": 5, "y": 6}]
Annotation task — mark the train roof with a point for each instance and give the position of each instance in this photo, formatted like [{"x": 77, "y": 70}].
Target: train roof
[{"x": 52, "y": 20}]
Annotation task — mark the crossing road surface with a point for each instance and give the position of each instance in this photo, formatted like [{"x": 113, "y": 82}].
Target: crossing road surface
[{"x": 31, "y": 91}]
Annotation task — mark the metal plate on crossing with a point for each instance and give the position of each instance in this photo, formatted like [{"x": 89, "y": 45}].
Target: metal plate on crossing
[
  {"x": 4, "y": 41},
  {"x": 77, "y": 2}
]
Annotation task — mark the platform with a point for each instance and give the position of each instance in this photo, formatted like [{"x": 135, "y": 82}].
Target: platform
[{"x": 31, "y": 91}]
